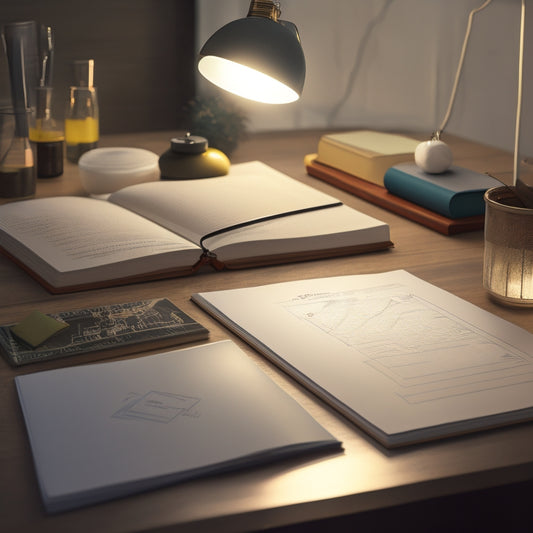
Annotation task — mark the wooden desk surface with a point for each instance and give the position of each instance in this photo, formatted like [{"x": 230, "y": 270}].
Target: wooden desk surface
[{"x": 365, "y": 476}]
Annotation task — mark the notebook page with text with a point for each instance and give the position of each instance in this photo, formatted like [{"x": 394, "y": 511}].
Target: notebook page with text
[{"x": 73, "y": 234}]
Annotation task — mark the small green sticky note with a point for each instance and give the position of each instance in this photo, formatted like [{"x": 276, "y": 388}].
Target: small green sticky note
[{"x": 36, "y": 328}]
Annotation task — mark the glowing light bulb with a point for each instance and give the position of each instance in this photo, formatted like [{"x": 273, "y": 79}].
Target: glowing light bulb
[{"x": 245, "y": 81}]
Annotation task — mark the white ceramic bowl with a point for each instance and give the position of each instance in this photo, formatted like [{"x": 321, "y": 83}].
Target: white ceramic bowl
[{"x": 106, "y": 170}]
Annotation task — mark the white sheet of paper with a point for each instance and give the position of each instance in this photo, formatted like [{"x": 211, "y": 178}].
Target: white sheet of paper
[
  {"x": 107, "y": 430},
  {"x": 394, "y": 353}
]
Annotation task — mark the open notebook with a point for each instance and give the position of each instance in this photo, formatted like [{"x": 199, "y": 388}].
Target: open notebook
[{"x": 253, "y": 216}]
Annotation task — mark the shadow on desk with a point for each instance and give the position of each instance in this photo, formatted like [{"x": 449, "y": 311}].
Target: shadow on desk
[{"x": 505, "y": 509}]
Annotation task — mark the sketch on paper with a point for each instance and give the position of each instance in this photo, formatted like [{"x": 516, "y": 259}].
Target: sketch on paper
[
  {"x": 158, "y": 407},
  {"x": 427, "y": 351}
]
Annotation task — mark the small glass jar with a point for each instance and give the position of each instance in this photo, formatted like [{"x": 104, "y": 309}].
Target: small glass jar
[
  {"x": 508, "y": 255},
  {"x": 17, "y": 169},
  {"x": 47, "y": 136},
  {"x": 82, "y": 130}
]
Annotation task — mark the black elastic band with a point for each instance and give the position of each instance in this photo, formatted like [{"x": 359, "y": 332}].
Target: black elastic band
[{"x": 264, "y": 219}]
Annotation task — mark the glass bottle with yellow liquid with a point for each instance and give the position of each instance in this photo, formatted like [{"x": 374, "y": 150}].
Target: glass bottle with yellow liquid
[{"x": 81, "y": 119}]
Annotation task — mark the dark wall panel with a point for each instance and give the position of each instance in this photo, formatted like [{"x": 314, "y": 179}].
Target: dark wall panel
[{"x": 143, "y": 52}]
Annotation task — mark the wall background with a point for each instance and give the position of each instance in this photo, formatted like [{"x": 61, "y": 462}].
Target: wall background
[
  {"x": 402, "y": 53},
  {"x": 405, "y": 66},
  {"x": 143, "y": 51}
]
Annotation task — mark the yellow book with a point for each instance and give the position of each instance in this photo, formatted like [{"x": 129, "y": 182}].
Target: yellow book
[{"x": 364, "y": 153}]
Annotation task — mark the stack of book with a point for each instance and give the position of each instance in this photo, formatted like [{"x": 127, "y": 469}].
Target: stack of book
[{"x": 379, "y": 167}]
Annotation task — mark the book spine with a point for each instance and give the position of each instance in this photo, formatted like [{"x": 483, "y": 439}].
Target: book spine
[{"x": 420, "y": 192}]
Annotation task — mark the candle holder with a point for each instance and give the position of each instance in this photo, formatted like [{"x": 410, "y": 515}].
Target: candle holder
[{"x": 508, "y": 255}]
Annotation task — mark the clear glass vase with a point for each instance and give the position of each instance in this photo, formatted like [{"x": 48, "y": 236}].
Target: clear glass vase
[{"x": 508, "y": 255}]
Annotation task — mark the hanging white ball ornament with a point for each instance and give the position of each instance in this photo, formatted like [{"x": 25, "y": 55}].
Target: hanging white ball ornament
[{"x": 433, "y": 156}]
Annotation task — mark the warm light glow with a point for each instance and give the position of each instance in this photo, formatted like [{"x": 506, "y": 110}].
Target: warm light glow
[
  {"x": 508, "y": 273},
  {"x": 244, "y": 81}
]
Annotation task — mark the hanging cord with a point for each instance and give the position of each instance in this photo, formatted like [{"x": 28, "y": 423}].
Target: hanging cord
[
  {"x": 437, "y": 134},
  {"x": 516, "y": 163},
  {"x": 358, "y": 60}
]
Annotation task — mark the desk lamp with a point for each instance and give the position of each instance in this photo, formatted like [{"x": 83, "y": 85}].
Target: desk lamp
[{"x": 259, "y": 57}]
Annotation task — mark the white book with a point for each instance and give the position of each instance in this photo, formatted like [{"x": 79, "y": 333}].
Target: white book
[
  {"x": 401, "y": 358},
  {"x": 253, "y": 216},
  {"x": 107, "y": 430}
]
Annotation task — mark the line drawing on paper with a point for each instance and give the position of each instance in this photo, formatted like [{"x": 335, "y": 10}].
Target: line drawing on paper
[
  {"x": 427, "y": 351},
  {"x": 158, "y": 407}
]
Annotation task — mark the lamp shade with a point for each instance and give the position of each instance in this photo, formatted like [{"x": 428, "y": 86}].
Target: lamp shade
[{"x": 256, "y": 58}]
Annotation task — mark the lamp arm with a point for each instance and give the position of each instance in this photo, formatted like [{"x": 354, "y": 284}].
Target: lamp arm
[
  {"x": 523, "y": 190},
  {"x": 516, "y": 168},
  {"x": 436, "y": 135}
]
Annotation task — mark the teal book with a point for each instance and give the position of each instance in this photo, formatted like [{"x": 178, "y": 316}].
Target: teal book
[{"x": 456, "y": 193}]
